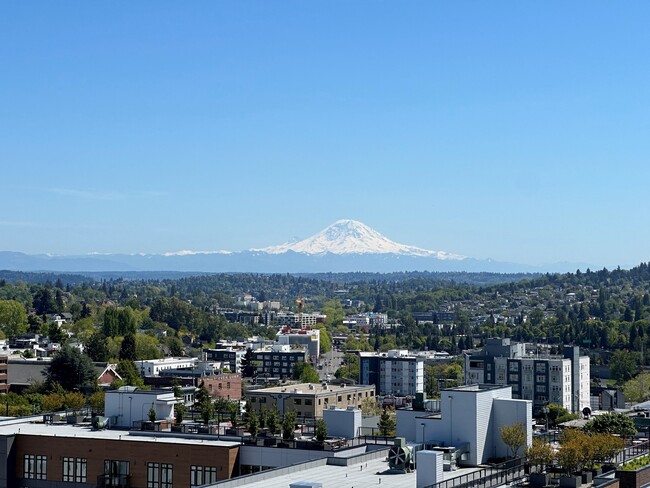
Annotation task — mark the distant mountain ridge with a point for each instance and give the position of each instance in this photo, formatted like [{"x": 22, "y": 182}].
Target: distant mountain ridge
[{"x": 343, "y": 247}]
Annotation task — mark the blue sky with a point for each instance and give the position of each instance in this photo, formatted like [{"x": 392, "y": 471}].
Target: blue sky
[{"x": 516, "y": 131}]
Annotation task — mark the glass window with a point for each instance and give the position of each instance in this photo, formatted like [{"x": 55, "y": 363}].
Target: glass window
[
  {"x": 166, "y": 476},
  {"x": 152, "y": 475},
  {"x": 196, "y": 476},
  {"x": 210, "y": 474},
  {"x": 35, "y": 467},
  {"x": 74, "y": 470}
]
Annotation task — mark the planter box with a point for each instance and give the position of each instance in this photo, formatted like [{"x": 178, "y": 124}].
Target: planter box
[
  {"x": 570, "y": 481},
  {"x": 586, "y": 477},
  {"x": 539, "y": 480}
]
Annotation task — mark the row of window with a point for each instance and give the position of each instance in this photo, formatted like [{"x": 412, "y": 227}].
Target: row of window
[{"x": 75, "y": 470}]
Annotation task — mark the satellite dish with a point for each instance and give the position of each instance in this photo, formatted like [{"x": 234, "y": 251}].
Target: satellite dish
[{"x": 586, "y": 412}]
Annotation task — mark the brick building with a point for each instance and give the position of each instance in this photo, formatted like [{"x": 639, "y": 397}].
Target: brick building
[{"x": 37, "y": 454}]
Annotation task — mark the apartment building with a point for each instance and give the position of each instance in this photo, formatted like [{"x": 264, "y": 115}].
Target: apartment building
[
  {"x": 395, "y": 372},
  {"x": 305, "y": 338},
  {"x": 278, "y": 360},
  {"x": 309, "y": 399},
  {"x": 562, "y": 380}
]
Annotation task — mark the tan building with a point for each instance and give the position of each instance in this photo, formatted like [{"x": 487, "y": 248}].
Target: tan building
[{"x": 309, "y": 399}]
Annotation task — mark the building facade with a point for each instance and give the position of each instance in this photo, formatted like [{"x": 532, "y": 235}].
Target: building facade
[
  {"x": 562, "y": 380},
  {"x": 278, "y": 361},
  {"x": 309, "y": 399},
  {"x": 395, "y": 372},
  {"x": 305, "y": 338},
  {"x": 51, "y": 456}
]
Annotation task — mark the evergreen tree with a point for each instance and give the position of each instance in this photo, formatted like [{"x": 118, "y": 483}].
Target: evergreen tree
[
  {"x": 128, "y": 350},
  {"x": 248, "y": 368},
  {"x": 320, "y": 432},
  {"x": 97, "y": 347},
  {"x": 71, "y": 369},
  {"x": 386, "y": 423}
]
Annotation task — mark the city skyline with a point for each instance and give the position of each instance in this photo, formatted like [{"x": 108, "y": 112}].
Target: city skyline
[{"x": 506, "y": 131}]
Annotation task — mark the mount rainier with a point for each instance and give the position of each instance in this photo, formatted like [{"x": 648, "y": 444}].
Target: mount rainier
[{"x": 344, "y": 246}]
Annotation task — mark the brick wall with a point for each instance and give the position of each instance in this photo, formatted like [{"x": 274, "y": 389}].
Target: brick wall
[{"x": 137, "y": 452}]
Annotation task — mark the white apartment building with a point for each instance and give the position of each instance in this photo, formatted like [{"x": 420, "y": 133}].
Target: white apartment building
[
  {"x": 562, "y": 380},
  {"x": 395, "y": 372},
  {"x": 307, "y": 338},
  {"x": 153, "y": 367}
]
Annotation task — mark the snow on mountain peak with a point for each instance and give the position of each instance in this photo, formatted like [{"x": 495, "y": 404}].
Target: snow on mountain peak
[{"x": 353, "y": 237}]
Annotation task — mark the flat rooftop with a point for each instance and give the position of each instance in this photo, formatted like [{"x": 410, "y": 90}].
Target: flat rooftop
[
  {"x": 312, "y": 388},
  {"x": 360, "y": 475},
  {"x": 87, "y": 432}
]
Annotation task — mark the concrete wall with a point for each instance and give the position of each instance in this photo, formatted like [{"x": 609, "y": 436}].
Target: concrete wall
[
  {"x": 342, "y": 423},
  {"x": 126, "y": 408},
  {"x": 276, "y": 457},
  {"x": 509, "y": 412}
]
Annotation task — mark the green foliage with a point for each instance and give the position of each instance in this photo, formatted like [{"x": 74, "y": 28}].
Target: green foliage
[
  {"x": 513, "y": 436},
  {"x": 387, "y": 422},
  {"x": 97, "y": 347},
  {"x": 638, "y": 463},
  {"x": 289, "y": 425},
  {"x": 179, "y": 412},
  {"x": 273, "y": 420},
  {"x": 638, "y": 388},
  {"x": 96, "y": 401},
  {"x": 320, "y": 432},
  {"x": 71, "y": 369},
  {"x": 129, "y": 373},
  {"x": 253, "y": 423},
  {"x": 445, "y": 375},
  {"x": 13, "y": 318},
  {"x": 152, "y": 414},
  {"x": 128, "y": 348},
  {"x": 370, "y": 406},
  {"x": 623, "y": 366},
  {"x": 539, "y": 454},
  {"x": 305, "y": 373},
  {"x": 350, "y": 367},
  {"x": 53, "y": 402},
  {"x": 146, "y": 347},
  {"x": 74, "y": 401},
  {"x": 611, "y": 423},
  {"x": 248, "y": 368}
]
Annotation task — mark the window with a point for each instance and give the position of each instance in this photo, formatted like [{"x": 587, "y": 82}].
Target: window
[
  {"x": 74, "y": 470},
  {"x": 309, "y": 401},
  {"x": 202, "y": 475},
  {"x": 160, "y": 475},
  {"x": 153, "y": 475},
  {"x": 297, "y": 401},
  {"x": 116, "y": 473},
  {"x": 35, "y": 467}
]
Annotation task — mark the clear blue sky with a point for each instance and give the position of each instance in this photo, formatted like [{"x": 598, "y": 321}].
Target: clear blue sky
[{"x": 517, "y": 131}]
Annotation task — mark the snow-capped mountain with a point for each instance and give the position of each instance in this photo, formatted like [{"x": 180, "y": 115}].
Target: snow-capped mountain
[
  {"x": 345, "y": 246},
  {"x": 354, "y": 237}
]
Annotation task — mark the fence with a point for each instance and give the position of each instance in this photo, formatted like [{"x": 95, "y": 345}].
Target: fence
[{"x": 487, "y": 477}]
